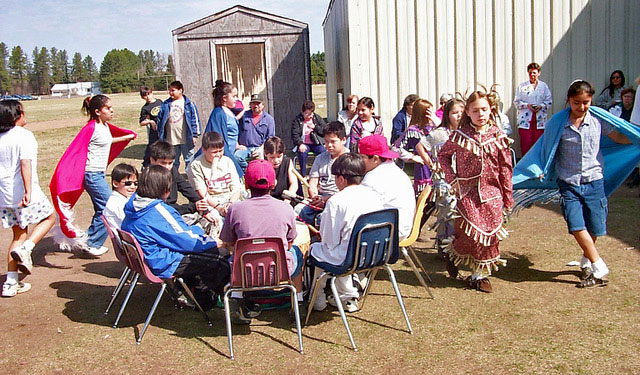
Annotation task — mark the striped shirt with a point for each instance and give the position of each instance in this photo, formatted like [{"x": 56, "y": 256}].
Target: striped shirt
[{"x": 579, "y": 159}]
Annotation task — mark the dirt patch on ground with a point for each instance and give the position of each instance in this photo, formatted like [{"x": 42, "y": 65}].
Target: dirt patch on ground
[{"x": 55, "y": 124}]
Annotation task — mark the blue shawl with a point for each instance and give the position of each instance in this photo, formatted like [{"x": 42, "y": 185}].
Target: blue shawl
[{"x": 619, "y": 159}]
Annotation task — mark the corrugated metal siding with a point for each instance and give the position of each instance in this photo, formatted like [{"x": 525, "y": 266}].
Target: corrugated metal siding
[{"x": 387, "y": 49}]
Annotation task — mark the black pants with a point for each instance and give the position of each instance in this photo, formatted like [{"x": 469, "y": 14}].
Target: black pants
[{"x": 205, "y": 273}]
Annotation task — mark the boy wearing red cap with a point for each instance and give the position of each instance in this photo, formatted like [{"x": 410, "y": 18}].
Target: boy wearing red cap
[
  {"x": 389, "y": 181},
  {"x": 260, "y": 216}
]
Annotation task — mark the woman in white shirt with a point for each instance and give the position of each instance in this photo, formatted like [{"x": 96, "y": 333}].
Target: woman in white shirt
[
  {"x": 349, "y": 114},
  {"x": 533, "y": 100}
]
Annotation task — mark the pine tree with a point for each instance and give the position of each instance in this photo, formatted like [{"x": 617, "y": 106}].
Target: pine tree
[
  {"x": 118, "y": 71},
  {"x": 18, "y": 67},
  {"x": 5, "y": 79},
  {"x": 77, "y": 73},
  {"x": 170, "y": 69},
  {"x": 90, "y": 69},
  {"x": 40, "y": 72}
]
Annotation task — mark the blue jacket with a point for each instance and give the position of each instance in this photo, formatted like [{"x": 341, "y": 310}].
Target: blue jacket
[
  {"x": 227, "y": 126},
  {"x": 399, "y": 123},
  {"x": 190, "y": 114},
  {"x": 163, "y": 236},
  {"x": 619, "y": 159},
  {"x": 255, "y": 135}
]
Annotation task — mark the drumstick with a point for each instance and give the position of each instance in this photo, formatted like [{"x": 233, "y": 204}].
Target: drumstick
[
  {"x": 297, "y": 198},
  {"x": 300, "y": 178}
]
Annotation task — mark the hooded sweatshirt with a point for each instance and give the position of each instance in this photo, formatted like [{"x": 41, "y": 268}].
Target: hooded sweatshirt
[{"x": 163, "y": 236}]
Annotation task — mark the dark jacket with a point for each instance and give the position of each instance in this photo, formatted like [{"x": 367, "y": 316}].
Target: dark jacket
[
  {"x": 399, "y": 123},
  {"x": 179, "y": 184},
  {"x": 296, "y": 130}
]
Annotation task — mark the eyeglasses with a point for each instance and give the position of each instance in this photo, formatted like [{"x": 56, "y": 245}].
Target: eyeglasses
[{"x": 129, "y": 183}]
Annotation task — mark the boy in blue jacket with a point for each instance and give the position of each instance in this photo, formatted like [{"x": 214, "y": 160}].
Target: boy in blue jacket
[
  {"x": 170, "y": 246},
  {"x": 179, "y": 123}
]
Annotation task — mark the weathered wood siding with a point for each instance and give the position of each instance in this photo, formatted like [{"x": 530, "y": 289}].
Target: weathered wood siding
[{"x": 387, "y": 49}]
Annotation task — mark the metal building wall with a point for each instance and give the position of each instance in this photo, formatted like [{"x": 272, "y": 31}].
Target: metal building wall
[{"x": 387, "y": 49}]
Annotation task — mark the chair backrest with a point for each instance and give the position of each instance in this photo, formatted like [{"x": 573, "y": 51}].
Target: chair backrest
[
  {"x": 417, "y": 218},
  {"x": 115, "y": 241},
  {"x": 373, "y": 242},
  {"x": 259, "y": 261},
  {"x": 135, "y": 256}
]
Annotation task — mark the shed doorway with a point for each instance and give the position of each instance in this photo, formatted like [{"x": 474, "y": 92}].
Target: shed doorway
[{"x": 243, "y": 64}]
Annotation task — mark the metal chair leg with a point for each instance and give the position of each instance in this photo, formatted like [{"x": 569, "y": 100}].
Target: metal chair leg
[
  {"x": 296, "y": 312},
  {"x": 370, "y": 279},
  {"x": 116, "y": 291},
  {"x": 415, "y": 256},
  {"x": 314, "y": 295},
  {"x": 190, "y": 294},
  {"x": 409, "y": 260},
  {"x": 336, "y": 296},
  {"x": 227, "y": 317},
  {"x": 395, "y": 288},
  {"x": 153, "y": 310},
  {"x": 126, "y": 299}
]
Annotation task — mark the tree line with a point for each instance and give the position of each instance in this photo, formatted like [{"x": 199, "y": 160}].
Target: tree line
[{"x": 120, "y": 71}]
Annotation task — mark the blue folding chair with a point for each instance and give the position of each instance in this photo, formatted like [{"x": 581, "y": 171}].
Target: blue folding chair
[{"x": 373, "y": 245}]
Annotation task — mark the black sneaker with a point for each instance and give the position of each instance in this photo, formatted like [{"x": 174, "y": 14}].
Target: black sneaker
[
  {"x": 592, "y": 282},
  {"x": 240, "y": 313},
  {"x": 585, "y": 272}
]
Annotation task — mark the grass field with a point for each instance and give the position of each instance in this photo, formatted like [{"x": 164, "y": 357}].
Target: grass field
[{"x": 536, "y": 321}]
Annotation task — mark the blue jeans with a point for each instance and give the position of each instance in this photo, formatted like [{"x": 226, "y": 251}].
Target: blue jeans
[
  {"x": 98, "y": 189},
  {"x": 302, "y": 156},
  {"x": 186, "y": 152},
  {"x": 241, "y": 156}
]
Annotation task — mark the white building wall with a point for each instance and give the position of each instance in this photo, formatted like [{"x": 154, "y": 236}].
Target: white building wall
[{"x": 387, "y": 49}]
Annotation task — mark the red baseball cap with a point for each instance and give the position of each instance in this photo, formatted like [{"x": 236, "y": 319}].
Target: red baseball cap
[
  {"x": 376, "y": 145},
  {"x": 260, "y": 174}
]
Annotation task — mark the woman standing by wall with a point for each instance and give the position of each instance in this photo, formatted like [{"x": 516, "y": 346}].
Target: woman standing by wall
[
  {"x": 533, "y": 100},
  {"x": 610, "y": 95}
]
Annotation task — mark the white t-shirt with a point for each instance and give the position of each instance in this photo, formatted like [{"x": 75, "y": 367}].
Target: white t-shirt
[
  {"x": 114, "y": 210},
  {"x": 176, "y": 125},
  {"x": 396, "y": 191},
  {"x": 339, "y": 215},
  {"x": 17, "y": 144},
  {"x": 99, "y": 148},
  {"x": 219, "y": 179}
]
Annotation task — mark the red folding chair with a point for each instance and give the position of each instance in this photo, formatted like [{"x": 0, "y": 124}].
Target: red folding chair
[
  {"x": 126, "y": 273},
  {"x": 259, "y": 264},
  {"x": 135, "y": 257}
]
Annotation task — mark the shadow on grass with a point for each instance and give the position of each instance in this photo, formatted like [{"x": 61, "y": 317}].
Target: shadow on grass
[{"x": 133, "y": 152}]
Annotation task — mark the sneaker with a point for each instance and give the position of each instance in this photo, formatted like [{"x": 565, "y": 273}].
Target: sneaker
[
  {"x": 183, "y": 302},
  {"x": 94, "y": 251},
  {"x": 585, "y": 272},
  {"x": 11, "y": 289},
  {"x": 23, "y": 257},
  {"x": 240, "y": 314},
  {"x": 349, "y": 305},
  {"x": 591, "y": 282},
  {"x": 321, "y": 301}
]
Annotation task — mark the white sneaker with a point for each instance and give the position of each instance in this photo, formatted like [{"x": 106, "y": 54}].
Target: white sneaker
[
  {"x": 94, "y": 251},
  {"x": 349, "y": 305},
  {"x": 321, "y": 301},
  {"x": 11, "y": 289},
  {"x": 23, "y": 257}
]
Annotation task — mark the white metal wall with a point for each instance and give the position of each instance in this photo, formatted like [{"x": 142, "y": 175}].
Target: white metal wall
[{"x": 387, "y": 49}]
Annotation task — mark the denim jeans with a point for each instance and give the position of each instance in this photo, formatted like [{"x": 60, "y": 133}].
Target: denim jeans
[
  {"x": 302, "y": 156},
  {"x": 98, "y": 189},
  {"x": 241, "y": 156},
  {"x": 186, "y": 152}
]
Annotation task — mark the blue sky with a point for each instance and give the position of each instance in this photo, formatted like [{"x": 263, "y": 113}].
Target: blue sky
[{"x": 94, "y": 27}]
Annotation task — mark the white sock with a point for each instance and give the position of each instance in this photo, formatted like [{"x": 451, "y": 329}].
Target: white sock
[
  {"x": 600, "y": 269},
  {"x": 300, "y": 296},
  {"x": 236, "y": 295},
  {"x": 12, "y": 277},
  {"x": 585, "y": 262},
  {"x": 476, "y": 276}
]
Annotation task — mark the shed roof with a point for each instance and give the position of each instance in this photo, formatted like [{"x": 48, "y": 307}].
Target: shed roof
[{"x": 286, "y": 22}]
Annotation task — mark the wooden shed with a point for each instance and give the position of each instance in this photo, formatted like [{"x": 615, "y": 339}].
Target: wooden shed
[{"x": 260, "y": 53}]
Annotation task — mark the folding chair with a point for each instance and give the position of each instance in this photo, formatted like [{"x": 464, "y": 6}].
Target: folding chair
[
  {"x": 405, "y": 244},
  {"x": 373, "y": 245},
  {"x": 117, "y": 249},
  {"x": 135, "y": 257},
  {"x": 259, "y": 264}
]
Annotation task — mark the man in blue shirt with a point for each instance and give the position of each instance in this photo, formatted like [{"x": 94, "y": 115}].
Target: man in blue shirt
[{"x": 256, "y": 126}]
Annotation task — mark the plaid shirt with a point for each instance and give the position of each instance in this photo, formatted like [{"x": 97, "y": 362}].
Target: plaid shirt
[{"x": 579, "y": 159}]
